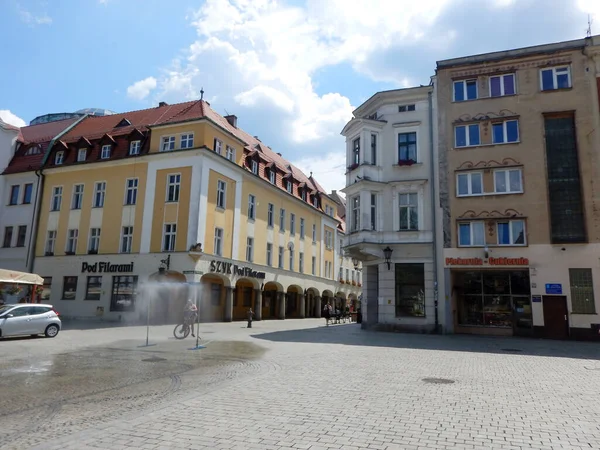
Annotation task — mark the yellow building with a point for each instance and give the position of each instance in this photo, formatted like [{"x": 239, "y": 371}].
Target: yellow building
[{"x": 182, "y": 189}]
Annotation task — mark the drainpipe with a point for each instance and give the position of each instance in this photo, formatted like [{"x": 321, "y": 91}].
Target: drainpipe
[{"x": 433, "y": 216}]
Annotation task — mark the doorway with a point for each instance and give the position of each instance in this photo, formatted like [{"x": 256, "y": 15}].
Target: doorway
[{"x": 556, "y": 317}]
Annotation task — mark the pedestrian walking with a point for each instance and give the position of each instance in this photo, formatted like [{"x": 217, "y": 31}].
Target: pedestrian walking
[{"x": 250, "y": 314}]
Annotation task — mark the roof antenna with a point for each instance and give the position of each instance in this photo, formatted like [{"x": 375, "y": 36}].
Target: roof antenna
[
  {"x": 201, "y": 93},
  {"x": 226, "y": 112},
  {"x": 589, "y": 28},
  {"x": 311, "y": 173}
]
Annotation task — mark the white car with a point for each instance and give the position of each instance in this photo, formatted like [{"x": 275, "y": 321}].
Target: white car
[{"x": 29, "y": 319}]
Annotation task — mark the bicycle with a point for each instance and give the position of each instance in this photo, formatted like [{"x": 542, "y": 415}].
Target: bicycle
[{"x": 183, "y": 330}]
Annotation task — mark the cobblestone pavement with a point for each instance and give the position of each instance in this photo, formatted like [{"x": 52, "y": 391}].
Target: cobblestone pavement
[{"x": 297, "y": 384}]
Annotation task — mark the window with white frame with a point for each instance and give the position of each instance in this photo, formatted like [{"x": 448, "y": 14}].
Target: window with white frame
[
  {"x": 169, "y": 237},
  {"x": 316, "y": 201},
  {"x": 50, "y": 242},
  {"x": 465, "y": 90},
  {"x": 282, "y": 219},
  {"x": 270, "y": 213},
  {"x": 301, "y": 262},
  {"x": 173, "y": 187},
  {"x": 355, "y": 202},
  {"x": 99, "y": 194},
  {"x": 254, "y": 165},
  {"x": 313, "y": 265},
  {"x": 218, "y": 244},
  {"x": 59, "y": 158},
  {"x": 505, "y": 132},
  {"x": 251, "y": 207},
  {"x": 471, "y": 234},
  {"x": 269, "y": 254},
  {"x": 94, "y": 240},
  {"x": 280, "y": 258},
  {"x": 314, "y": 233},
  {"x": 409, "y": 215},
  {"x": 292, "y": 224},
  {"x": 328, "y": 239},
  {"x": 511, "y": 232},
  {"x": 469, "y": 183},
  {"x": 373, "y": 212},
  {"x": 134, "y": 147},
  {"x": 301, "y": 228},
  {"x": 373, "y": 149},
  {"x": 230, "y": 153},
  {"x": 218, "y": 146},
  {"x": 77, "y": 200},
  {"x": 105, "y": 152},
  {"x": 272, "y": 175},
  {"x": 131, "y": 188},
  {"x": 81, "y": 154},
  {"x": 291, "y": 259},
  {"x": 126, "y": 240},
  {"x": 14, "y": 194},
  {"x": 467, "y": 135},
  {"x": 72, "y": 236},
  {"x": 554, "y": 78},
  {"x": 303, "y": 194},
  {"x": 221, "y": 193},
  {"x": 289, "y": 186},
  {"x": 356, "y": 152},
  {"x": 502, "y": 85},
  {"x": 249, "y": 249},
  {"x": 187, "y": 140},
  {"x": 407, "y": 147},
  {"x": 167, "y": 143},
  {"x": 56, "y": 198},
  {"x": 508, "y": 181}
]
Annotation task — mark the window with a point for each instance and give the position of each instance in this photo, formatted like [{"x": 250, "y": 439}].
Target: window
[
  {"x": 218, "y": 146},
  {"x": 465, "y": 90},
  {"x": 269, "y": 254},
  {"x": 77, "y": 196},
  {"x": 93, "y": 288},
  {"x": 502, "y": 85},
  {"x": 170, "y": 234},
  {"x": 508, "y": 181},
  {"x": 249, "y": 249},
  {"x": 292, "y": 224},
  {"x": 291, "y": 259},
  {"x": 373, "y": 212},
  {"x": 303, "y": 194},
  {"x": 59, "y": 158},
  {"x": 173, "y": 186},
  {"x": 230, "y": 155},
  {"x": 341, "y": 274},
  {"x": 46, "y": 289},
  {"x": 282, "y": 219},
  {"x": 134, "y": 147},
  {"x": 511, "y": 232},
  {"x": 301, "y": 228},
  {"x": 105, "y": 154},
  {"x": 50, "y": 241},
  {"x": 27, "y": 193},
  {"x": 352, "y": 276},
  {"x": 167, "y": 143},
  {"x": 329, "y": 239},
  {"x": 405, "y": 108},
  {"x": 469, "y": 184},
  {"x": 582, "y": 291},
  {"x": 187, "y": 140},
  {"x": 8, "y": 234},
  {"x": 56, "y": 198},
  {"x": 72, "y": 236},
  {"x": 555, "y": 78},
  {"x": 409, "y": 216},
  {"x": 341, "y": 248},
  {"x": 94, "y": 242},
  {"x": 221, "y": 190},
  {"x": 314, "y": 233},
  {"x": 123, "y": 293},
  {"x": 251, "y": 207},
  {"x": 410, "y": 290},
  {"x": 347, "y": 275},
  {"x": 373, "y": 149},
  {"x": 215, "y": 294},
  {"x": 69, "y": 288},
  {"x": 471, "y": 234},
  {"x": 280, "y": 260},
  {"x": 355, "y": 202},
  {"x": 301, "y": 262},
  {"x": 407, "y": 147},
  {"x": 270, "y": 213},
  {"x": 81, "y": 154},
  {"x": 21, "y": 234},
  {"x": 35, "y": 150},
  {"x": 126, "y": 239},
  {"x": 99, "y": 194},
  {"x": 505, "y": 132},
  {"x": 131, "y": 191},
  {"x": 313, "y": 265},
  {"x": 356, "y": 152},
  {"x": 272, "y": 175},
  {"x": 218, "y": 250},
  {"x": 316, "y": 201},
  {"x": 14, "y": 194},
  {"x": 467, "y": 135},
  {"x": 254, "y": 166},
  {"x": 289, "y": 186}
]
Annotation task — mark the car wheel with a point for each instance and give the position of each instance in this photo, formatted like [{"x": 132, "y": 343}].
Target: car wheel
[{"x": 51, "y": 330}]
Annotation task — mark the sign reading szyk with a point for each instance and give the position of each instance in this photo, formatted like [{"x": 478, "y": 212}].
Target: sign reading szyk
[{"x": 230, "y": 268}]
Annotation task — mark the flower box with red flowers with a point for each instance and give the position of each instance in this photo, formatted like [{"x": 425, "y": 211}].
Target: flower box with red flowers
[
  {"x": 406, "y": 162},
  {"x": 352, "y": 167}
]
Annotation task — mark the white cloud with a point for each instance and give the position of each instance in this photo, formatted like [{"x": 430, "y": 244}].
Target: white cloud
[
  {"x": 591, "y": 7},
  {"x": 32, "y": 19},
  {"x": 8, "y": 117},
  {"x": 141, "y": 89}
]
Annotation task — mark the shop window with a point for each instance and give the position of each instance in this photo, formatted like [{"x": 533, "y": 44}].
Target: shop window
[
  {"x": 46, "y": 288},
  {"x": 582, "y": 291},
  {"x": 123, "y": 293},
  {"x": 69, "y": 288},
  {"x": 247, "y": 297},
  {"x": 93, "y": 288},
  {"x": 410, "y": 290},
  {"x": 215, "y": 294}
]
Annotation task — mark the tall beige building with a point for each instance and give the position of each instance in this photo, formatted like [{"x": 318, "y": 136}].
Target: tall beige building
[{"x": 519, "y": 146}]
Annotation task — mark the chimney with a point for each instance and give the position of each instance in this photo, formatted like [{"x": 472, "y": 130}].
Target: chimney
[
  {"x": 279, "y": 153},
  {"x": 333, "y": 192},
  {"x": 232, "y": 119},
  {"x": 257, "y": 138},
  {"x": 163, "y": 104}
]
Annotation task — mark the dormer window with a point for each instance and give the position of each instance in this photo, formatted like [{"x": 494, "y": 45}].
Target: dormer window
[
  {"x": 134, "y": 147},
  {"x": 105, "y": 153},
  {"x": 289, "y": 186},
  {"x": 315, "y": 201},
  {"x": 123, "y": 123},
  {"x": 81, "y": 154},
  {"x": 167, "y": 143},
  {"x": 303, "y": 194},
  {"x": 272, "y": 176},
  {"x": 254, "y": 166},
  {"x": 35, "y": 150},
  {"x": 59, "y": 158}
]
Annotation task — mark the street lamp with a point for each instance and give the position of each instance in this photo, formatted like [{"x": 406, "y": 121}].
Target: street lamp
[
  {"x": 387, "y": 252},
  {"x": 165, "y": 264}
]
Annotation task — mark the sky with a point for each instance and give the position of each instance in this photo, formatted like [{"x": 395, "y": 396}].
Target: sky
[{"x": 291, "y": 70}]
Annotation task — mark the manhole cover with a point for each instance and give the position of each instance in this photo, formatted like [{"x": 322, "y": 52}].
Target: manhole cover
[
  {"x": 512, "y": 350},
  {"x": 437, "y": 380},
  {"x": 154, "y": 359}
]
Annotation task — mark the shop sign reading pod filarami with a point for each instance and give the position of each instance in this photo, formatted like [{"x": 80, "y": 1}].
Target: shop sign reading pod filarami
[
  {"x": 487, "y": 262},
  {"x": 106, "y": 267}
]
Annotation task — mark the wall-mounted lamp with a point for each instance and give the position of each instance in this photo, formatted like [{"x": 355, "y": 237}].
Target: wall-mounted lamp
[
  {"x": 486, "y": 252},
  {"x": 165, "y": 264},
  {"x": 387, "y": 252}
]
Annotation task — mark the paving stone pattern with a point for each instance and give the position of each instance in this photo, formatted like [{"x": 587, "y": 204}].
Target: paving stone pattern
[{"x": 342, "y": 388}]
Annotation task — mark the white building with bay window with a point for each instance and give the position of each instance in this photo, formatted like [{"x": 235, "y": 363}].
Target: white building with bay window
[{"x": 391, "y": 221}]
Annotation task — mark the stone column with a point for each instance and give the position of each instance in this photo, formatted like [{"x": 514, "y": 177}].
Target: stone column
[
  {"x": 302, "y": 305},
  {"x": 318, "y": 307},
  {"x": 281, "y": 303},
  {"x": 228, "y": 304},
  {"x": 257, "y": 304}
]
